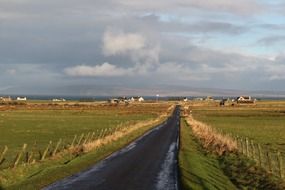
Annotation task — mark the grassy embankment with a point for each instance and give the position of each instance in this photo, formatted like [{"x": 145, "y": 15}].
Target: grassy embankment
[
  {"x": 43, "y": 125},
  {"x": 198, "y": 169}
]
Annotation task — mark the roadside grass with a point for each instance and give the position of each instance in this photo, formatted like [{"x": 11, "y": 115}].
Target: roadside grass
[
  {"x": 198, "y": 169},
  {"x": 245, "y": 173},
  {"x": 242, "y": 172},
  {"x": 39, "y": 175}
]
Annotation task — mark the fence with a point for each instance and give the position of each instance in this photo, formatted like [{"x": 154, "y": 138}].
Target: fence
[
  {"x": 266, "y": 157},
  {"x": 53, "y": 149}
]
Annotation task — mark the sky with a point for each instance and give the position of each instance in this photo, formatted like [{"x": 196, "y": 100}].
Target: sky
[{"x": 135, "y": 47}]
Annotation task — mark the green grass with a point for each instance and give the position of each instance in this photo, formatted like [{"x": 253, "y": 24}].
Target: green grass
[
  {"x": 199, "y": 170},
  {"x": 266, "y": 127},
  {"x": 43, "y": 124},
  {"x": 40, "y": 175}
]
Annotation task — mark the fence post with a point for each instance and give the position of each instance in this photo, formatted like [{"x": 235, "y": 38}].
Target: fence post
[
  {"x": 73, "y": 141},
  {"x": 92, "y": 136},
  {"x": 30, "y": 157},
  {"x": 247, "y": 147},
  {"x": 268, "y": 157},
  {"x": 252, "y": 149},
  {"x": 56, "y": 147},
  {"x": 80, "y": 139},
  {"x": 2, "y": 159},
  {"x": 86, "y": 138},
  {"x": 242, "y": 146},
  {"x": 259, "y": 155},
  {"x": 46, "y": 151},
  {"x": 19, "y": 155},
  {"x": 280, "y": 164}
]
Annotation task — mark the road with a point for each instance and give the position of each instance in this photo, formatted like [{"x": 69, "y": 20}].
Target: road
[{"x": 149, "y": 163}]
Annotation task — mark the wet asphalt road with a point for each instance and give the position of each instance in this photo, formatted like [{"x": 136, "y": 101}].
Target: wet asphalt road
[{"x": 149, "y": 163}]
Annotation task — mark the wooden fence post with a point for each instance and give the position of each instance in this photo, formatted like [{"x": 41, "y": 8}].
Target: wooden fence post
[
  {"x": 268, "y": 157},
  {"x": 280, "y": 164},
  {"x": 101, "y": 134},
  {"x": 247, "y": 147},
  {"x": 92, "y": 137},
  {"x": 19, "y": 155},
  {"x": 80, "y": 139},
  {"x": 252, "y": 149},
  {"x": 260, "y": 155},
  {"x": 46, "y": 151},
  {"x": 73, "y": 141},
  {"x": 2, "y": 159},
  {"x": 86, "y": 138},
  {"x": 242, "y": 146},
  {"x": 56, "y": 147}
]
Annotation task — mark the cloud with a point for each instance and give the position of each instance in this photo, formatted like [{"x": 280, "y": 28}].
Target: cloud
[
  {"x": 241, "y": 7},
  {"x": 120, "y": 43},
  {"x": 272, "y": 40},
  {"x": 104, "y": 70},
  {"x": 11, "y": 71}
]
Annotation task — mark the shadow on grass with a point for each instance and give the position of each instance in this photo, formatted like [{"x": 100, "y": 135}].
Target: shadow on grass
[
  {"x": 245, "y": 173},
  {"x": 1, "y": 188}
]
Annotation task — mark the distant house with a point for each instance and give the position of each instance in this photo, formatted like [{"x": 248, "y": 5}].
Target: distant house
[
  {"x": 58, "y": 100},
  {"x": 209, "y": 98},
  {"x": 198, "y": 99},
  {"x": 245, "y": 100},
  {"x": 6, "y": 99},
  {"x": 114, "y": 101},
  {"x": 21, "y": 99},
  {"x": 137, "y": 98}
]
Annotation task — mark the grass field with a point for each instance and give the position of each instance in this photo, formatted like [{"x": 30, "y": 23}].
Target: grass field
[
  {"x": 33, "y": 124},
  {"x": 263, "y": 123}
]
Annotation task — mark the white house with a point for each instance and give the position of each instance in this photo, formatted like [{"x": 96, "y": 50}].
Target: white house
[
  {"x": 6, "y": 99},
  {"x": 58, "y": 100},
  {"x": 21, "y": 99},
  {"x": 137, "y": 98},
  {"x": 245, "y": 99}
]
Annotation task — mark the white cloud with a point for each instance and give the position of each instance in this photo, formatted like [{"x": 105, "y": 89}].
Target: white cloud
[
  {"x": 104, "y": 70},
  {"x": 119, "y": 42},
  {"x": 11, "y": 71}
]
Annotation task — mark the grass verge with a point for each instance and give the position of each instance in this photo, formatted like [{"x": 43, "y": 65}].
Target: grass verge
[
  {"x": 198, "y": 169},
  {"x": 242, "y": 172}
]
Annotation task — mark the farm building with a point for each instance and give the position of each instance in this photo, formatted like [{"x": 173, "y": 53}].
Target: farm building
[
  {"x": 6, "y": 99},
  {"x": 245, "y": 100},
  {"x": 137, "y": 98},
  {"x": 209, "y": 98},
  {"x": 114, "y": 101},
  {"x": 21, "y": 99},
  {"x": 58, "y": 100}
]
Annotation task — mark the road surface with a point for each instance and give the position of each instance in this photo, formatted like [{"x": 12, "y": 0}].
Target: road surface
[{"x": 149, "y": 163}]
